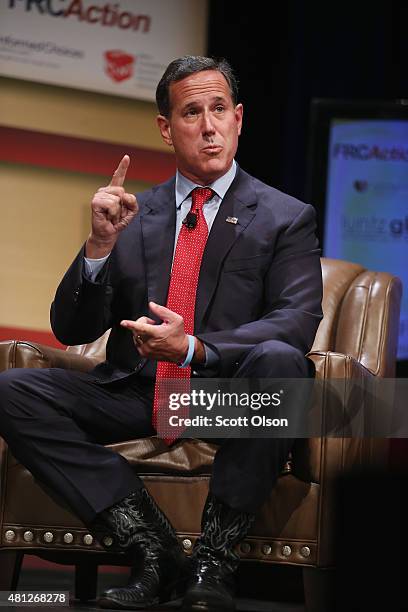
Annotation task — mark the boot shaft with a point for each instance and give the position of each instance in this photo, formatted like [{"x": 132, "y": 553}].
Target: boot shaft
[
  {"x": 135, "y": 521},
  {"x": 223, "y": 527}
]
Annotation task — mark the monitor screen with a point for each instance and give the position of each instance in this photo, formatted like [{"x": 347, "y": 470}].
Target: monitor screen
[{"x": 359, "y": 181}]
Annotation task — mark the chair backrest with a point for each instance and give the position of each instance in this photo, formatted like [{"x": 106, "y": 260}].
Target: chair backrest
[{"x": 361, "y": 317}]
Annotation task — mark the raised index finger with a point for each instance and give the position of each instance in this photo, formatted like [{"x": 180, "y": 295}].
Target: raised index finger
[{"x": 120, "y": 173}]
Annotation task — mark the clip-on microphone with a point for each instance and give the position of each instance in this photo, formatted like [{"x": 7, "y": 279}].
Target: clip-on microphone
[{"x": 191, "y": 220}]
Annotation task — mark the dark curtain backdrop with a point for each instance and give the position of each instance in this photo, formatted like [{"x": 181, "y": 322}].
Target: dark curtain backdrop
[{"x": 286, "y": 53}]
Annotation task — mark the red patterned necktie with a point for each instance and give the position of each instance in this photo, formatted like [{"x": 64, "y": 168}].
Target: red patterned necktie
[{"x": 181, "y": 299}]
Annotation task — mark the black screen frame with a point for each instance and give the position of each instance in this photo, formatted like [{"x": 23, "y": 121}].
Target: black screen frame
[{"x": 322, "y": 113}]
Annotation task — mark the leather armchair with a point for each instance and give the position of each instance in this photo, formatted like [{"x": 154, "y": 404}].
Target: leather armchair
[{"x": 357, "y": 338}]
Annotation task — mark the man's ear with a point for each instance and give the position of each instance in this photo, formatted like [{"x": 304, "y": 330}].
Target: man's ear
[
  {"x": 165, "y": 130},
  {"x": 239, "y": 113}
]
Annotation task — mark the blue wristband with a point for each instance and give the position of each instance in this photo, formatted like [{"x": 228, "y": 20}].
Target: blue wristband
[{"x": 190, "y": 352}]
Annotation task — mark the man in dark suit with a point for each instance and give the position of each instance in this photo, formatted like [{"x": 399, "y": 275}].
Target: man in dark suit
[{"x": 245, "y": 258}]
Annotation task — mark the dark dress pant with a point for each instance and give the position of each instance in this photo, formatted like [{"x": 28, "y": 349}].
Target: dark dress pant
[
  {"x": 56, "y": 423},
  {"x": 245, "y": 470}
]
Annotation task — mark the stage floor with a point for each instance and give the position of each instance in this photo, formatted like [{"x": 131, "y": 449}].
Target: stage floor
[{"x": 62, "y": 578}]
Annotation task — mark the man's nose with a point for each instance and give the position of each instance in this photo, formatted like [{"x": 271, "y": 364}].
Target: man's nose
[{"x": 208, "y": 123}]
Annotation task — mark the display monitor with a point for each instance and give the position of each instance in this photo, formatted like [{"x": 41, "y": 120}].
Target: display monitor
[{"x": 358, "y": 181}]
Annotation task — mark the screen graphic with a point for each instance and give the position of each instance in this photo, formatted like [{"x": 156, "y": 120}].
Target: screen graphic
[{"x": 366, "y": 208}]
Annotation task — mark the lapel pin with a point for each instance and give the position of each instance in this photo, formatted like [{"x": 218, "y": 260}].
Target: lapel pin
[{"x": 233, "y": 220}]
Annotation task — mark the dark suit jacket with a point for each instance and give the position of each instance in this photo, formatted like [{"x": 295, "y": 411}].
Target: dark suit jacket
[{"x": 260, "y": 278}]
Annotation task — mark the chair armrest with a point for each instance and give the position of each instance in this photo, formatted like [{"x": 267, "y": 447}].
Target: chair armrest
[
  {"x": 336, "y": 455},
  {"x": 327, "y": 459},
  {"x": 329, "y": 364},
  {"x": 22, "y": 354}
]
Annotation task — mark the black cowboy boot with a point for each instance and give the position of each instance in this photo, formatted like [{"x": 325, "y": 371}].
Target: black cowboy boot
[
  {"x": 137, "y": 525},
  {"x": 214, "y": 559}
]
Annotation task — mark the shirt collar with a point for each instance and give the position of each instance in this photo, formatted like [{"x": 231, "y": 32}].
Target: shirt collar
[{"x": 184, "y": 186}]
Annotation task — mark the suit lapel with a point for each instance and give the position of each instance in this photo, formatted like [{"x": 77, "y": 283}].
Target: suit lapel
[
  {"x": 239, "y": 201},
  {"x": 158, "y": 228}
]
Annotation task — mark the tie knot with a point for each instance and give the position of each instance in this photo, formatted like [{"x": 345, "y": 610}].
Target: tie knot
[{"x": 200, "y": 196}]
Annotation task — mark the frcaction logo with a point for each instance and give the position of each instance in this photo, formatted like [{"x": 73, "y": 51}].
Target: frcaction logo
[
  {"x": 108, "y": 15},
  {"x": 364, "y": 152}
]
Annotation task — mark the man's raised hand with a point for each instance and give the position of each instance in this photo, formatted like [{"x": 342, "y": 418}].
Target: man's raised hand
[{"x": 112, "y": 210}]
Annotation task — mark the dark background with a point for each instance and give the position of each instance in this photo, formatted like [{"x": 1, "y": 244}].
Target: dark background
[{"x": 286, "y": 53}]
